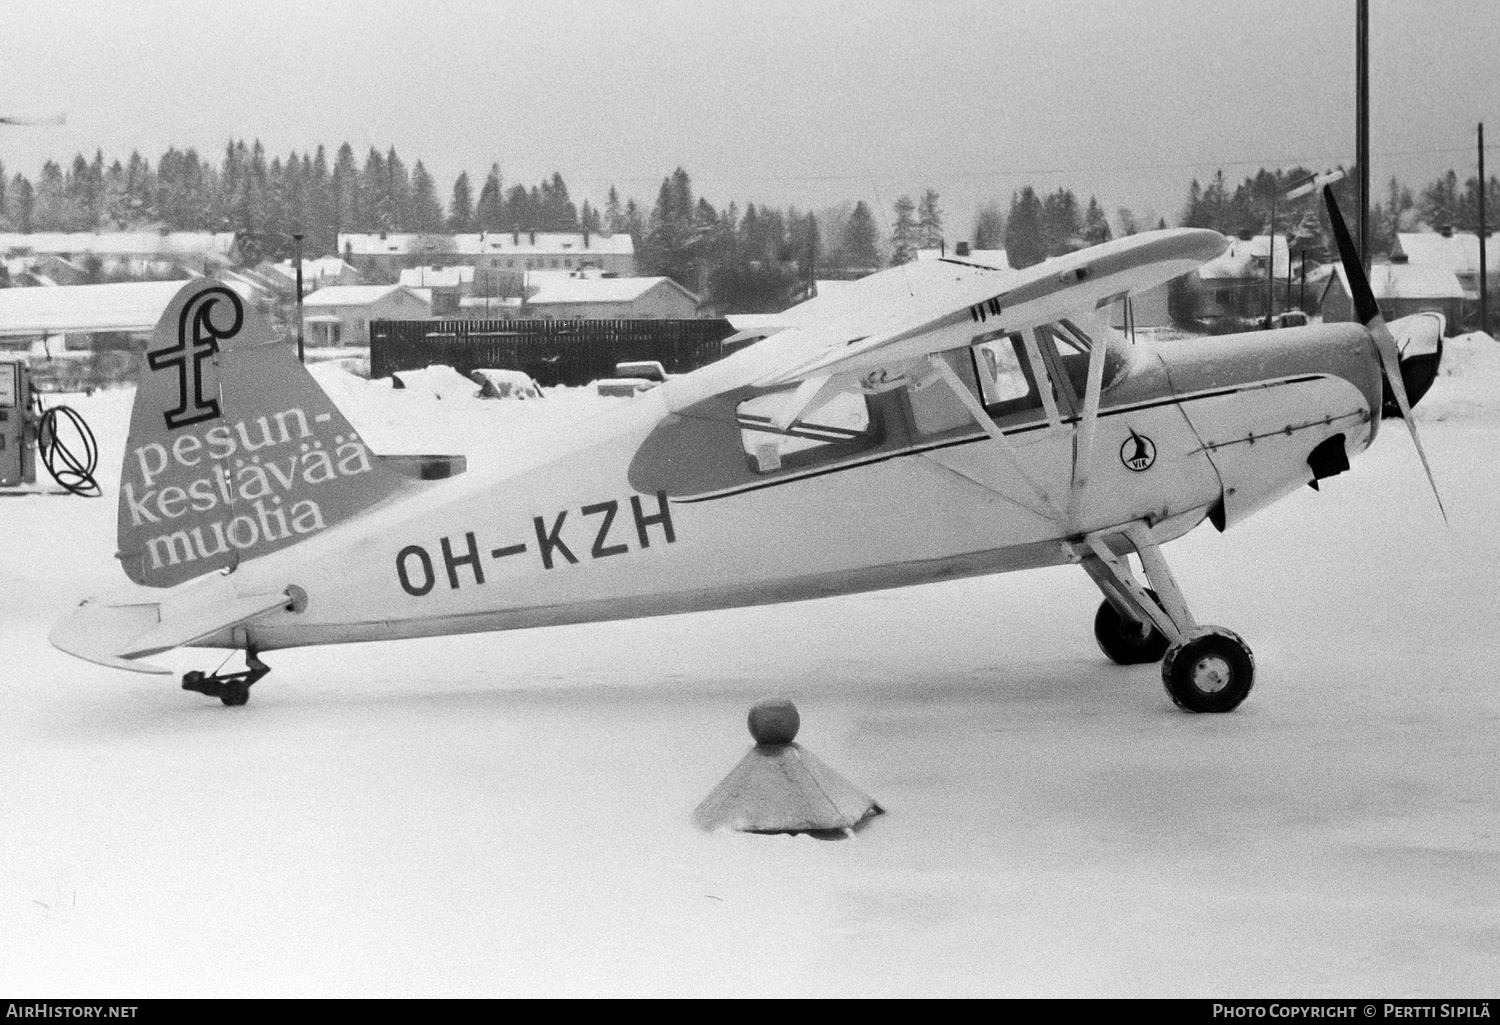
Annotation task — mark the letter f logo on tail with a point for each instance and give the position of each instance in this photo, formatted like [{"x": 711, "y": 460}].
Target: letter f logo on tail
[{"x": 197, "y": 339}]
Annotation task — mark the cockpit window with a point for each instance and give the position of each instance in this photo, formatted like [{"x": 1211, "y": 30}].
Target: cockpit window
[
  {"x": 838, "y": 426},
  {"x": 994, "y": 370}
]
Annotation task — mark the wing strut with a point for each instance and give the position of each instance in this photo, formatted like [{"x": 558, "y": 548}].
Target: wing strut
[
  {"x": 982, "y": 418},
  {"x": 1083, "y": 467}
]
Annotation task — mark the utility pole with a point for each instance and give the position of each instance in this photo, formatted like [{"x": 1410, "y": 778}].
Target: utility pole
[
  {"x": 1484, "y": 237},
  {"x": 1271, "y": 262},
  {"x": 297, "y": 248},
  {"x": 1362, "y": 124}
]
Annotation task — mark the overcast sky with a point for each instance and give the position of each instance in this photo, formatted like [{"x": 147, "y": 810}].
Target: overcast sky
[{"x": 807, "y": 103}]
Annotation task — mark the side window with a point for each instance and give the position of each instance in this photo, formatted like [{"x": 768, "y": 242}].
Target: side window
[
  {"x": 934, "y": 407},
  {"x": 839, "y": 427},
  {"x": 1005, "y": 379}
]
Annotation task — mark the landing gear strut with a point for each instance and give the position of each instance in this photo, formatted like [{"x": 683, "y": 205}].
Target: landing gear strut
[
  {"x": 230, "y": 688},
  {"x": 1204, "y": 668}
]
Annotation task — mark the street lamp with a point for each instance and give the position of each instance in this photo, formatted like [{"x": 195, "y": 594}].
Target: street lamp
[{"x": 297, "y": 250}]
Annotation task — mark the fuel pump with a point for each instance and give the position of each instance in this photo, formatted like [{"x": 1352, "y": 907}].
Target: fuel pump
[
  {"x": 25, "y": 422},
  {"x": 17, "y": 463}
]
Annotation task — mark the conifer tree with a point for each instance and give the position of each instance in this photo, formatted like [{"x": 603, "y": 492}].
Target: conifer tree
[
  {"x": 904, "y": 233},
  {"x": 346, "y": 210},
  {"x": 861, "y": 241},
  {"x": 426, "y": 212},
  {"x": 1061, "y": 224},
  {"x": 1025, "y": 243},
  {"x": 989, "y": 227},
  {"x": 461, "y": 206},
  {"x": 614, "y": 215},
  {"x": 929, "y": 221},
  {"x": 374, "y": 194},
  {"x": 489, "y": 212},
  {"x": 1095, "y": 224},
  {"x": 398, "y": 192},
  {"x": 322, "y": 235}
]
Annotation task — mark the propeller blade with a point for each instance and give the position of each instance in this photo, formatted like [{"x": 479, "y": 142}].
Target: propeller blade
[{"x": 1367, "y": 311}]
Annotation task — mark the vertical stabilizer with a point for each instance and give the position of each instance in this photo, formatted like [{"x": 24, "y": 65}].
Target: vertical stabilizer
[{"x": 234, "y": 450}]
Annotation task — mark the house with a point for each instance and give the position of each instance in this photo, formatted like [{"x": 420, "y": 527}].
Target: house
[
  {"x": 499, "y": 258},
  {"x": 130, "y": 252},
  {"x": 447, "y": 286},
  {"x": 1400, "y": 288},
  {"x": 1231, "y": 288},
  {"x": 996, "y": 258},
  {"x": 319, "y": 273},
  {"x": 1455, "y": 251},
  {"x": 612, "y": 299},
  {"x": 131, "y": 307},
  {"x": 341, "y": 314}
]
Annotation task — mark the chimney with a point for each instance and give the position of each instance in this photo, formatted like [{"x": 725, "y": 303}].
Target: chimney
[
  {"x": 533, "y": 236},
  {"x": 1445, "y": 230},
  {"x": 515, "y": 235},
  {"x": 585, "y": 236},
  {"x": 1399, "y": 257},
  {"x": 962, "y": 249}
]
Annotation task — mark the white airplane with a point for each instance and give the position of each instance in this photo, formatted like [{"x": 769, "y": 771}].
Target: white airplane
[{"x": 937, "y": 420}]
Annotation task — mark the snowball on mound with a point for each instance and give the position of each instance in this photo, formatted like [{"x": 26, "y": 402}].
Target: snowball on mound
[
  {"x": 1468, "y": 381},
  {"x": 505, "y": 384},
  {"x": 439, "y": 380}
]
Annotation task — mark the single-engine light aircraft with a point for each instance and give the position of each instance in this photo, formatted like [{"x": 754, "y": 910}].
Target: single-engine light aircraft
[{"x": 936, "y": 420}]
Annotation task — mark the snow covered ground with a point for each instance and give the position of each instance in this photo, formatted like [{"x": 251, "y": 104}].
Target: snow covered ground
[{"x": 509, "y": 813}]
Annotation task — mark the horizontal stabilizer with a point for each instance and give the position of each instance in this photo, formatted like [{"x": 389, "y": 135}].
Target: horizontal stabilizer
[{"x": 116, "y": 634}]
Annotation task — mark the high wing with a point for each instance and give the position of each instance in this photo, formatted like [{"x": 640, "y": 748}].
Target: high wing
[{"x": 892, "y": 320}]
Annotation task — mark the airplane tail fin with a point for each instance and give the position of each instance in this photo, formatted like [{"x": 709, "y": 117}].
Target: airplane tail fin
[{"x": 234, "y": 450}]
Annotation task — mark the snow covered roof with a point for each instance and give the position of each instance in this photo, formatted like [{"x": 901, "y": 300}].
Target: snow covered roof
[
  {"x": 313, "y": 270},
  {"x": 1239, "y": 260},
  {"x": 1458, "y": 252},
  {"x": 121, "y": 243},
  {"x": 437, "y": 277},
  {"x": 354, "y": 295},
  {"x": 1408, "y": 281},
  {"x": 131, "y": 306},
  {"x": 601, "y": 290},
  {"x": 549, "y": 243}
]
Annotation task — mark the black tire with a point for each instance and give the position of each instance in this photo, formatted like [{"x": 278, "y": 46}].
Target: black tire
[
  {"x": 1211, "y": 670},
  {"x": 1121, "y": 640},
  {"x": 235, "y": 694}
]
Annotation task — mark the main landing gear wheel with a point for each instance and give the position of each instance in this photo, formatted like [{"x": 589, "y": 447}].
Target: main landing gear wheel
[
  {"x": 1125, "y": 641},
  {"x": 1209, "y": 670}
]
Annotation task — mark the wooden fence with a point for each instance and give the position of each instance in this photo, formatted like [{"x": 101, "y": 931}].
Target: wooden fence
[{"x": 553, "y": 352}]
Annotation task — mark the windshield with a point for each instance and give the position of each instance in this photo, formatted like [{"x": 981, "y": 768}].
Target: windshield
[{"x": 1073, "y": 347}]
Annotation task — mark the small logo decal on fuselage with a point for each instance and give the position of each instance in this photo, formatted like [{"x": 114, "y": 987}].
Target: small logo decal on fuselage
[{"x": 1138, "y": 452}]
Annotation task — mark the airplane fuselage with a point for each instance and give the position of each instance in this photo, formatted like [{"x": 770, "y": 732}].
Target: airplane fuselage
[{"x": 663, "y": 506}]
